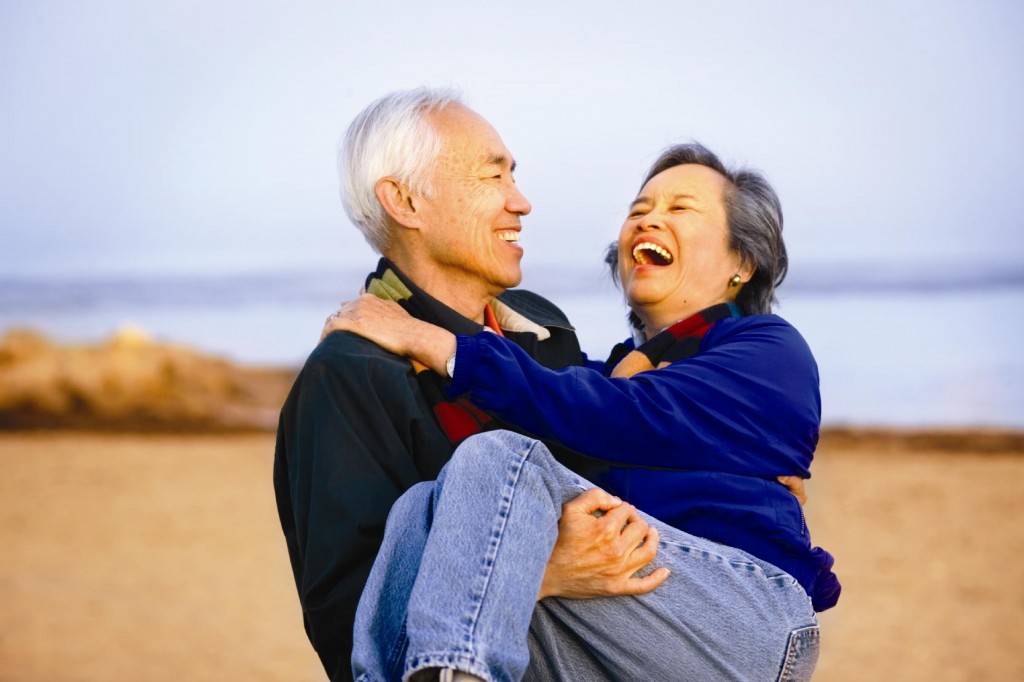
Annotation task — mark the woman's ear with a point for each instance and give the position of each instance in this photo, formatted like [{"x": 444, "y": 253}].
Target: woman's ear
[
  {"x": 398, "y": 202},
  {"x": 745, "y": 270}
]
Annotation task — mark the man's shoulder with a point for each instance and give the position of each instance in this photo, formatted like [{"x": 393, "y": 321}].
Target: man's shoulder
[
  {"x": 535, "y": 308},
  {"x": 350, "y": 373},
  {"x": 350, "y": 355}
]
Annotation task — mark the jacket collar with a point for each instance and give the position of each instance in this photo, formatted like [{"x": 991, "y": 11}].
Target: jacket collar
[
  {"x": 388, "y": 282},
  {"x": 515, "y": 311}
]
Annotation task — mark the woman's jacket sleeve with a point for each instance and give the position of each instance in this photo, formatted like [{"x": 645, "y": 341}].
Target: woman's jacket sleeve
[{"x": 749, "y": 404}]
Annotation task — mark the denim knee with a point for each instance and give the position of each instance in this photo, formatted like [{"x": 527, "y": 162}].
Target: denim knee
[
  {"x": 478, "y": 453},
  {"x": 500, "y": 440}
]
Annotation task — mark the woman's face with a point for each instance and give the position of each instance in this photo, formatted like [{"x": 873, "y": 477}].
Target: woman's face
[{"x": 674, "y": 255}]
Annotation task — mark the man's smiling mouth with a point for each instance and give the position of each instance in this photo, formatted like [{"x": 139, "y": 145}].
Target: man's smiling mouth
[
  {"x": 649, "y": 253},
  {"x": 508, "y": 236}
]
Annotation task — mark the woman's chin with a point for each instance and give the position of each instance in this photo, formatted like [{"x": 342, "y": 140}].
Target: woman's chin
[{"x": 641, "y": 295}]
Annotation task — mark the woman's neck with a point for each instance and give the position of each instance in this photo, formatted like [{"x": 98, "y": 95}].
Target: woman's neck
[{"x": 656, "y": 321}]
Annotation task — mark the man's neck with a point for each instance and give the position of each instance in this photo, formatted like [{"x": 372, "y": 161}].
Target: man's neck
[{"x": 464, "y": 295}]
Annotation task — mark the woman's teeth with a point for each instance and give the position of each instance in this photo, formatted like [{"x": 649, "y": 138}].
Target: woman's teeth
[{"x": 649, "y": 253}]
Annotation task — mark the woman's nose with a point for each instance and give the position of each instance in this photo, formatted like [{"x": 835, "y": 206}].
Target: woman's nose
[{"x": 648, "y": 222}]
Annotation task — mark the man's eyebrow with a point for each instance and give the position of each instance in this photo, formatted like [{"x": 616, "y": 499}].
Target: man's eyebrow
[{"x": 501, "y": 160}]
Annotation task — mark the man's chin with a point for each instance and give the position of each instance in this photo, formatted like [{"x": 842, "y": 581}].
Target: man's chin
[
  {"x": 510, "y": 277},
  {"x": 511, "y": 282}
]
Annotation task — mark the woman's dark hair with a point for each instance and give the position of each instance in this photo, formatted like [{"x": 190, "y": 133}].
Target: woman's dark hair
[{"x": 754, "y": 216}]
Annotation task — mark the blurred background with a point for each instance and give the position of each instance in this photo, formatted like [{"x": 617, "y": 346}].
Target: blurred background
[{"x": 171, "y": 237}]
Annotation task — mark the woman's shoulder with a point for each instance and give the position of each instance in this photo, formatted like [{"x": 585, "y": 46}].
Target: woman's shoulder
[
  {"x": 769, "y": 324},
  {"x": 763, "y": 330}
]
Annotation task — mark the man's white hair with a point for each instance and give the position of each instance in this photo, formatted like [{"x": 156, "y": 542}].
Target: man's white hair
[{"x": 392, "y": 136}]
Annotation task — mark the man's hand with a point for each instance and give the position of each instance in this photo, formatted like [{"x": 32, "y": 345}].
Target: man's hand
[
  {"x": 795, "y": 485},
  {"x": 596, "y": 553}
]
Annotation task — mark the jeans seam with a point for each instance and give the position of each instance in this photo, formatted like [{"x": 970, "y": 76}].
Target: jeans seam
[
  {"x": 395, "y": 655},
  {"x": 749, "y": 566},
  {"x": 494, "y": 546}
]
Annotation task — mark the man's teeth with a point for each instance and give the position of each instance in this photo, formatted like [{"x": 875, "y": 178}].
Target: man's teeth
[
  {"x": 508, "y": 236},
  {"x": 643, "y": 259}
]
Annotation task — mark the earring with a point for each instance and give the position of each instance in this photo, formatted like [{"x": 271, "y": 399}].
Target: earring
[{"x": 735, "y": 281}]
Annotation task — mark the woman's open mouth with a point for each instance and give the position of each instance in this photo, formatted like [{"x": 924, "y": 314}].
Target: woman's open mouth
[{"x": 647, "y": 252}]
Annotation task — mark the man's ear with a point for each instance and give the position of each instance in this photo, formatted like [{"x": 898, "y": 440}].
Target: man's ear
[{"x": 399, "y": 203}]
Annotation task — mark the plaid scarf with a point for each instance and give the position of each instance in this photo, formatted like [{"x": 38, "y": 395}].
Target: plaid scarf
[
  {"x": 459, "y": 418},
  {"x": 675, "y": 342}
]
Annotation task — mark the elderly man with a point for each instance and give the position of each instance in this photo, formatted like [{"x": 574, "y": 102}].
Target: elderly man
[{"x": 430, "y": 184}]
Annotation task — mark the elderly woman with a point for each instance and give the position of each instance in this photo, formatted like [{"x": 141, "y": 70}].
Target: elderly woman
[{"x": 691, "y": 421}]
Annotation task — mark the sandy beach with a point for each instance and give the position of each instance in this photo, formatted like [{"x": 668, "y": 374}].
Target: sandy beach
[
  {"x": 139, "y": 538},
  {"x": 149, "y": 557}
]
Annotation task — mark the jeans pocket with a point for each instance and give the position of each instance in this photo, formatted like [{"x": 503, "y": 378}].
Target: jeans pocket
[{"x": 801, "y": 654}]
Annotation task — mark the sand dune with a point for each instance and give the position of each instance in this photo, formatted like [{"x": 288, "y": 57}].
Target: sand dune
[{"x": 131, "y": 383}]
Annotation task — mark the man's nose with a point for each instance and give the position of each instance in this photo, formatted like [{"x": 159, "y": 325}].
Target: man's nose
[{"x": 516, "y": 201}]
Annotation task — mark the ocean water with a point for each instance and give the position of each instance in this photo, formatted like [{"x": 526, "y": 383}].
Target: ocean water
[{"x": 890, "y": 352}]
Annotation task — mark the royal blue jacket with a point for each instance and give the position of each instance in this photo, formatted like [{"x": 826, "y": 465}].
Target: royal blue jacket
[{"x": 697, "y": 444}]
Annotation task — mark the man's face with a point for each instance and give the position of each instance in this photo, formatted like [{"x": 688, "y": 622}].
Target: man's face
[{"x": 472, "y": 220}]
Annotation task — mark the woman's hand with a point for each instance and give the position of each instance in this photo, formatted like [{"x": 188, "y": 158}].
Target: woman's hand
[
  {"x": 390, "y": 327},
  {"x": 795, "y": 485}
]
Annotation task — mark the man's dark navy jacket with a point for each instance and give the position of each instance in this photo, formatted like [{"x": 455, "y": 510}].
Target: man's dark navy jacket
[{"x": 355, "y": 432}]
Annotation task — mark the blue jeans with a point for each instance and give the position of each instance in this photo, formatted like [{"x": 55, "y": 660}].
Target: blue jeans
[{"x": 457, "y": 577}]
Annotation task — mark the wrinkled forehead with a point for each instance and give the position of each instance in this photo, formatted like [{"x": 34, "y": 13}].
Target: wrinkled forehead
[
  {"x": 467, "y": 139},
  {"x": 688, "y": 179}
]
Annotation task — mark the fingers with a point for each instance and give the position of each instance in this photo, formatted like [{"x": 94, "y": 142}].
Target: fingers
[
  {"x": 590, "y": 501},
  {"x": 636, "y": 546},
  {"x": 638, "y": 585},
  {"x": 602, "y": 543},
  {"x": 641, "y": 541},
  {"x": 639, "y": 544},
  {"x": 624, "y": 521},
  {"x": 337, "y": 321},
  {"x": 640, "y": 554},
  {"x": 795, "y": 485},
  {"x": 621, "y": 525},
  {"x": 629, "y": 537},
  {"x": 329, "y": 325},
  {"x": 350, "y": 313}
]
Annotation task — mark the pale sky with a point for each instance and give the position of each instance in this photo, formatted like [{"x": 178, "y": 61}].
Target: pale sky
[{"x": 188, "y": 136}]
